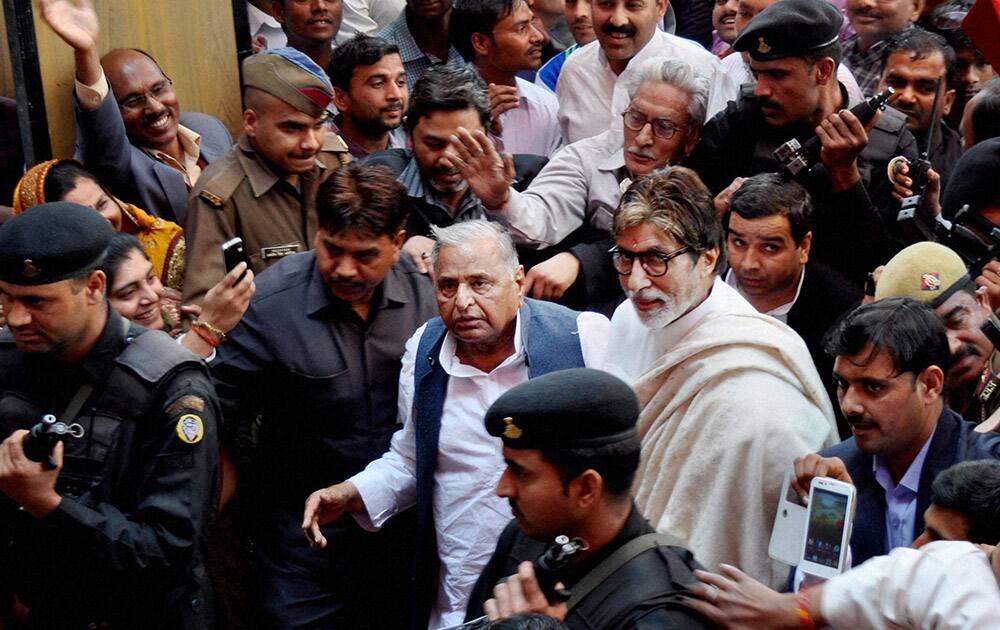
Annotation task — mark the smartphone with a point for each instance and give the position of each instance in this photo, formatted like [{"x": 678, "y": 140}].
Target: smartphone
[
  {"x": 233, "y": 254},
  {"x": 789, "y": 524},
  {"x": 828, "y": 527}
]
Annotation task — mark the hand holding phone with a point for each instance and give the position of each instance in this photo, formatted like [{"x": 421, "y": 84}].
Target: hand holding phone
[{"x": 233, "y": 254}]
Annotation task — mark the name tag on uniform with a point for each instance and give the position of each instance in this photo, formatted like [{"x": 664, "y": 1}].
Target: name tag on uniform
[{"x": 279, "y": 251}]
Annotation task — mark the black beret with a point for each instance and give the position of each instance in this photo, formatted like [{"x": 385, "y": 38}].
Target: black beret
[
  {"x": 790, "y": 28},
  {"x": 578, "y": 408},
  {"x": 52, "y": 242},
  {"x": 973, "y": 180}
]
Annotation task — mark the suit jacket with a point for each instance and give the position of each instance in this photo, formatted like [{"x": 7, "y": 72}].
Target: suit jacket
[
  {"x": 825, "y": 296},
  {"x": 954, "y": 441},
  {"x": 131, "y": 173}
]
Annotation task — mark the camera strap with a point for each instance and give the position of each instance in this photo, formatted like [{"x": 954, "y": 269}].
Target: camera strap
[{"x": 617, "y": 560}]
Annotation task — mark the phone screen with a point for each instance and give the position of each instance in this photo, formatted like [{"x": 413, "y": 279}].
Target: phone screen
[{"x": 826, "y": 528}]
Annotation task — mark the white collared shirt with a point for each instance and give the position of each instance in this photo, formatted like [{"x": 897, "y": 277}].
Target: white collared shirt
[
  {"x": 468, "y": 515},
  {"x": 592, "y": 97},
  {"x": 780, "y": 313}
]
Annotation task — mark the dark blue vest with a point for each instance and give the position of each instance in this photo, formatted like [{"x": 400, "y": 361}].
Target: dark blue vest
[{"x": 550, "y": 341}]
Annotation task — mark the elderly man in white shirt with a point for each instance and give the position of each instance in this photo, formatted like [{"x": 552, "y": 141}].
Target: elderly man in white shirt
[
  {"x": 592, "y": 87},
  {"x": 487, "y": 340},
  {"x": 584, "y": 182},
  {"x": 729, "y": 396}
]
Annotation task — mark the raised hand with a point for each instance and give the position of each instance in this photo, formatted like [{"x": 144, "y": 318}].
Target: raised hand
[
  {"x": 75, "y": 21},
  {"x": 488, "y": 174}
]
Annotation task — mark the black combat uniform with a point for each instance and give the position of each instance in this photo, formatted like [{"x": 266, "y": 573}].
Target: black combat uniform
[
  {"x": 853, "y": 230},
  {"x": 125, "y": 546},
  {"x": 647, "y": 592}
]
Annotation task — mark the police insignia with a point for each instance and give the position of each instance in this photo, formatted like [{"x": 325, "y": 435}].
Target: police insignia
[
  {"x": 190, "y": 429},
  {"x": 511, "y": 431},
  {"x": 930, "y": 281},
  {"x": 762, "y": 46},
  {"x": 30, "y": 270}
]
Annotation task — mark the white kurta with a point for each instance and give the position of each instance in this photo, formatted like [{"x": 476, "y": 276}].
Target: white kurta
[
  {"x": 468, "y": 515},
  {"x": 729, "y": 398},
  {"x": 592, "y": 97},
  {"x": 943, "y": 585}
]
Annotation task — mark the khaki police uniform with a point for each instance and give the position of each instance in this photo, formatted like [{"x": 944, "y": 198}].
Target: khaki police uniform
[{"x": 240, "y": 195}]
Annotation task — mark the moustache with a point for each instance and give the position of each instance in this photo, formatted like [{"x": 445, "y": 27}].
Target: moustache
[
  {"x": 766, "y": 102},
  {"x": 864, "y": 422},
  {"x": 968, "y": 350},
  {"x": 866, "y": 12},
  {"x": 151, "y": 118},
  {"x": 610, "y": 29},
  {"x": 640, "y": 153}
]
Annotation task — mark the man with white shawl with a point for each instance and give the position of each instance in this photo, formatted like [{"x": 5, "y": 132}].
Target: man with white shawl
[{"x": 729, "y": 396}]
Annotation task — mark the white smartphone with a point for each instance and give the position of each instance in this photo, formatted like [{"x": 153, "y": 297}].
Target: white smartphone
[
  {"x": 828, "y": 528},
  {"x": 789, "y": 524}
]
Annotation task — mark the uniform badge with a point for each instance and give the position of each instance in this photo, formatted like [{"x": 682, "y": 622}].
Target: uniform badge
[
  {"x": 190, "y": 429},
  {"x": 211, "y": 198},
  {"x": 762, "y": 46},
  {"x": 511, "y": 431},
  {"x": 930, "y": 281},
  {"x": 30, "y": 270}
]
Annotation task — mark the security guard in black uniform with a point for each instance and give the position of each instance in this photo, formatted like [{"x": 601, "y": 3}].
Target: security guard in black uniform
[
  {"x": 572, "y": 450},
  {"x": 794, "y": 51},
  {"x": 109, "y": 533}
]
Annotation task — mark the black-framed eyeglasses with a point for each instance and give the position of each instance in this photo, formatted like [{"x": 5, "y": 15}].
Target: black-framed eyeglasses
[
  {"x": 654, "y": 263},
  {"x": 159, "y": 90},
  {"x": 662, "y": 128}
]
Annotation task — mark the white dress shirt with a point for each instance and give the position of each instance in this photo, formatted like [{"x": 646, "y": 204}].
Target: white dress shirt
[
  {"x": 532, "y": 126},
  {"x": 468, "y": 515},
  {"x": 780, "y": 313},
  {"x": 739, "y": 71},
  {"x": 944, "y": 584},
  {"x": 592, "y": 97}
]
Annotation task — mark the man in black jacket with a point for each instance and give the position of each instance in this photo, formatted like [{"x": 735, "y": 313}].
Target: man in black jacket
[
  {"x": 769, "y": 241},
  {"x": 572, "y": 450},
  {"x": 794, "y": 52},
  {"x": 891, "y": 359}
]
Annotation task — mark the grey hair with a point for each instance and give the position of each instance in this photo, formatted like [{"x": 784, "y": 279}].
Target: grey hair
[
  {"x": 464, "y": 234},
  {"x": 679, "y": 74}
]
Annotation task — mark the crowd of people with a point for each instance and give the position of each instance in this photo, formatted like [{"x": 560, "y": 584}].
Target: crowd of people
[{"x": 534, "y": 306}]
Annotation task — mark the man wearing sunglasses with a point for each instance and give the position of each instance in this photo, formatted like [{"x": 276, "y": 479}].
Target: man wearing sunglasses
[
  {"x": 582, "y": 183},
  {"x": 729, "y": 396},
  {"x": 130, "y": 128}
]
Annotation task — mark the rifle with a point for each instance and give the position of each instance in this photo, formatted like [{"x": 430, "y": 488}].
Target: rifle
[
  {"x": 796, "y": 157},
  {"x": 42, "y": 438},
  {"x": 914, "y": 221}
]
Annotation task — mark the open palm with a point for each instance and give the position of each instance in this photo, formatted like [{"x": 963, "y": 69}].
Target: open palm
[{"x": 75, "y": 21}]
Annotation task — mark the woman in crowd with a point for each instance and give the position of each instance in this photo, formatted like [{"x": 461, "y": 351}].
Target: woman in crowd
[
  {"x": 136, "y": 291},
  {"x": 67, "y": 180}
]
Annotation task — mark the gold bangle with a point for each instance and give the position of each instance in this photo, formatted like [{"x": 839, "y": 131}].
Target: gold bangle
[{"x": 221, "y": 336}]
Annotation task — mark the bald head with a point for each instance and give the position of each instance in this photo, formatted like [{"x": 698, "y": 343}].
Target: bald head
[{"x": 145, "y": 97}]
